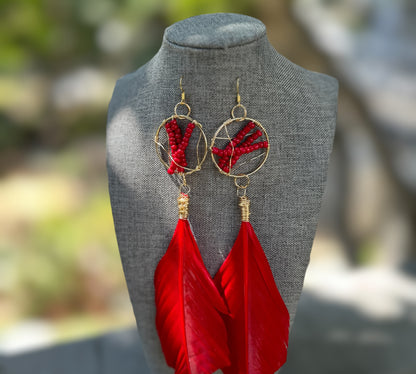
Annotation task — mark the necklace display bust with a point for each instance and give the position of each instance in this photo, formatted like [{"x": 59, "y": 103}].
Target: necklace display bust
[{"x": 298, "y": 109}]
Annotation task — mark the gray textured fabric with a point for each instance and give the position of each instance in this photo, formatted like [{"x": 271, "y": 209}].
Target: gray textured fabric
[{"x": 298, "y": 109}]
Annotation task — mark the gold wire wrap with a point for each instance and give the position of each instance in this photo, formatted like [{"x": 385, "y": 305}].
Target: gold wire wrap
[
  {"x": 229, "y": 122},
  {"x": 183, "y": 202},
  {"x": 244, "y": 204},
  {"x": 224, "y": 126},
  {"x": 160, "y": 147},
  {"x": 201, "y": 137}
]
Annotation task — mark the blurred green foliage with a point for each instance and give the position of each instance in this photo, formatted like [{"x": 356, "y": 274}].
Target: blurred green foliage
[
  {"x": 48, "y": 40},
  {"x": 54, "y": 266},
  {"x": 51, "y": 35},
  {"x": 58, "y": 249}
]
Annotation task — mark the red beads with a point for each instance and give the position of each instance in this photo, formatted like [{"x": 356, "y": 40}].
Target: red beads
[
  {"x": 232, "y": 152},
  {"x": 178, "y": 145}
]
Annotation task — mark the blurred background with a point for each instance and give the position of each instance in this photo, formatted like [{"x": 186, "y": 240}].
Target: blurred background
[{"x": 64, "y": 305}]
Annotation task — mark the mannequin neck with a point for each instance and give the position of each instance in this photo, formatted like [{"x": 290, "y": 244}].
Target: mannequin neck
[
  {"x": 234, "y": 42},
  {"x": 215, "y": 31}
]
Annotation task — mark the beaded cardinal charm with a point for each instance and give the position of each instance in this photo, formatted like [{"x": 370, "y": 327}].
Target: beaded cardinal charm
[
  {"x": 189, "y": 308},
  {"x": 258, "y": 324}
]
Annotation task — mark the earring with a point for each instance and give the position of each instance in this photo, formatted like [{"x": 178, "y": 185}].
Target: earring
[
  {"x": 258, "y": 324},
  {"x": 188, "y": 305}
]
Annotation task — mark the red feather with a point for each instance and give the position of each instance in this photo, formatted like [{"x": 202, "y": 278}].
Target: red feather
[
  {"x": 188, "y": 305},
  {"x": 258, "y": 327}
]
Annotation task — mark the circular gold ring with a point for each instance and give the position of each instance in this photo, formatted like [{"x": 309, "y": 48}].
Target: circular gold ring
[
  {"x": 182, "y": 103},
  {"x": 241, "y": 186},
  {"x": 197, "y": 124},
  {"x": 228, "y": 122},
  {"x": 239, "y": 106}
]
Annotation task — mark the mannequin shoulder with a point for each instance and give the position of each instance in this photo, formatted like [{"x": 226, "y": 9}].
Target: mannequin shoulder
[
  {"x": 127, "y": 87},
  {"x": 303, "y": 83},
  {"x": 323, "y": 85}
]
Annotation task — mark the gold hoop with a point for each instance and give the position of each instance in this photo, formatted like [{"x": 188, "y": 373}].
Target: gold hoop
[
  {"x": 228, "y": 122},
  {"x": 187, "y": 106},
  {"x": 188, "y": 118},
  {"x": 239, "y": 106},
  {"x": 244, "y": 186},
  {"x": 202, "y": 134}
]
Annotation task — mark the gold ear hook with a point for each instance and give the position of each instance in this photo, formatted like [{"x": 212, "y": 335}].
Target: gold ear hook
[
  {"x": 239, "y": 105},
  {"x": 182, "y": 91},
  {"x": 238, "y": 91}
]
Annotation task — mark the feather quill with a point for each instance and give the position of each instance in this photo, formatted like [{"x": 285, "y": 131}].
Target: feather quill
[
  {"x": 188, "y": 305},
  {"x": 258, "y": 324}
]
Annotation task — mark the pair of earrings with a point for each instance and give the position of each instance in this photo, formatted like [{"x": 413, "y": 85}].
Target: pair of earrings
[{"x": 238, "y": 321}]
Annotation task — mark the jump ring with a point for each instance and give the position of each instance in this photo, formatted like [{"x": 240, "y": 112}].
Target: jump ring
[
  {"x": 239, "y": 106},
  {"x": 187, "y": 106},
  {"x": 239, "y": 186}
]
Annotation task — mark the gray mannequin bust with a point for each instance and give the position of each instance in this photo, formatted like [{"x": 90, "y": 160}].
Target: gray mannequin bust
[{"x": 298, "y": 109}]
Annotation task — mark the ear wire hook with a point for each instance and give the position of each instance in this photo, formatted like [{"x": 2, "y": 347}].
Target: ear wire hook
[
  {"x": 182, "y": 90},
  {"x": 182, "y": 102},
  {"x": 238, "y": 91},
  {"x": 239, "y": 105}
]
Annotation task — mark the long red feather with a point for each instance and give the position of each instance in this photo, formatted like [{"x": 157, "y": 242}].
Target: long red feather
[
  {"x": 258, "y": 327},
  {"x": 188, "y": 305}
]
